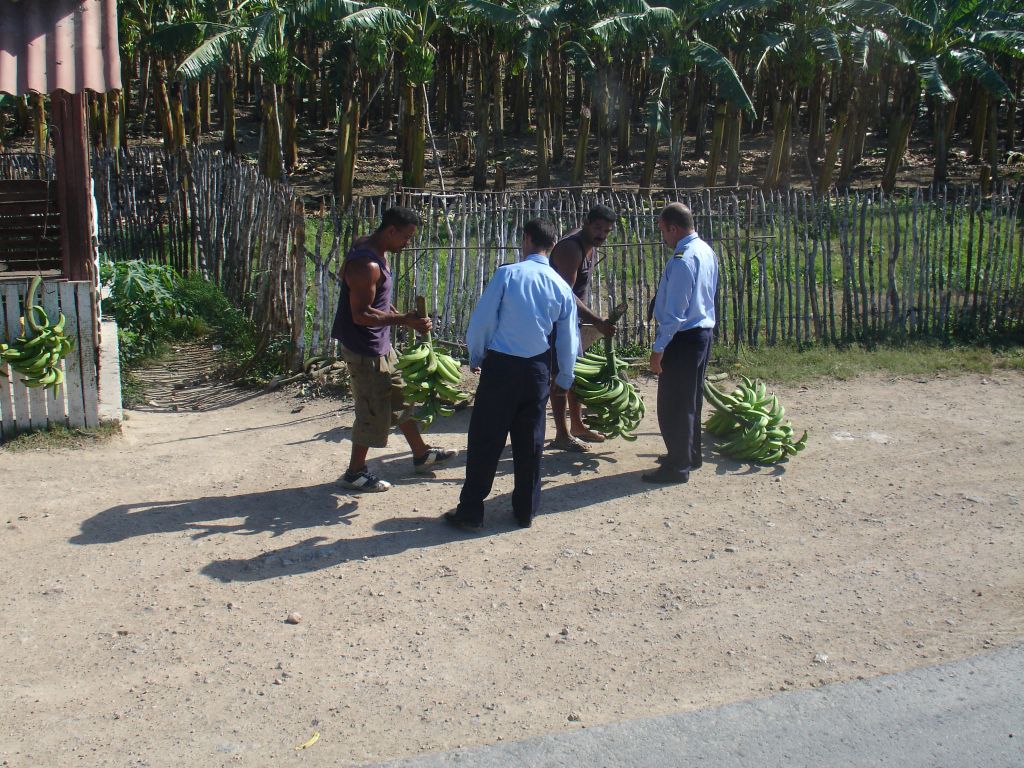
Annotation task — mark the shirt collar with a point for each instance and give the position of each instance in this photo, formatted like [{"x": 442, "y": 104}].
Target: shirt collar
[
  {"x": 685, "y": 241},
  {"x": 538, "y": 257}
]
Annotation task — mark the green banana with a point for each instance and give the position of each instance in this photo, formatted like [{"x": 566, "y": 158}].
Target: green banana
[{"x": 749, "y": 423}]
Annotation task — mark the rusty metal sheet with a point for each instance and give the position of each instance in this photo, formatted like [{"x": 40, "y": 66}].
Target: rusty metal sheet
[{"x": 50, "y": 45}]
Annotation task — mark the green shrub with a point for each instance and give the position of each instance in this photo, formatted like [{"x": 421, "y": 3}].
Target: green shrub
[{"x": 142, "y": 300}]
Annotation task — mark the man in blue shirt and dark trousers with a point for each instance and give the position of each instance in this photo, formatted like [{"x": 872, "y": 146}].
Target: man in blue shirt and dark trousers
[
  {"x": 684, "y": 308},
  {"x": 508, "y": 344}
]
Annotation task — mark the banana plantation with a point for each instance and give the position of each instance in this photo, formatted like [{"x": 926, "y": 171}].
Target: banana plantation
[{"x": 607, "y": 93}]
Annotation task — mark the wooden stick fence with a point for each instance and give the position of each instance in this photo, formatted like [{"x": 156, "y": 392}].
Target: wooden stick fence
[{"x": 794, "y": 267}]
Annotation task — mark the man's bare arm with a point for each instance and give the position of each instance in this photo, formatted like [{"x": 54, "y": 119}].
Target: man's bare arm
[{"x": 362, "y": 278}]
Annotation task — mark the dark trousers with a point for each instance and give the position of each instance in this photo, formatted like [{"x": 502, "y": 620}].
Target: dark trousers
[
  {"x": 511, "y": 399},
  {"x": 681, "y": 396}
]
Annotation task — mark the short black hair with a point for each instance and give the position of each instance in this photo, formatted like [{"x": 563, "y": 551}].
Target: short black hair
[
  {"x": 541, "y": 232},
  {"x": 398, "y": 217},
  {"x": 678, "y": 214},
  {"x": 602, "y": 213}
]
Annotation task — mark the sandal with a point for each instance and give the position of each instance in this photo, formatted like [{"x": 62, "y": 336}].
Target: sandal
[
  {"x": 588, "y": 436},
  {"x": 568, "y": 443}
]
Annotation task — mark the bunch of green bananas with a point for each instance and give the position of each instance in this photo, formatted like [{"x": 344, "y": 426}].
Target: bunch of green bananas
[
  {"x": 38, "y": 358},
  {"x": 614, "y": 409},
  {"x": 751, "y": 421},
  {"x": 430, "y": 380}
]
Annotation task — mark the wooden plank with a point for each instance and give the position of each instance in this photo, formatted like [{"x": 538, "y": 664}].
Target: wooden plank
[
  {"x": 9, "y": 186},
  {"x": 8, "y": 293},
  {"x": 19, "y": 395},
  {"x": 73, "y": 362},
  {"x": 37, "y": 226},
  {"x": 87, "y": 340},
  {"x": 56, "y": 412},
  {"x": 25, "y": 207},
  {"x": 36, "y": 395}
]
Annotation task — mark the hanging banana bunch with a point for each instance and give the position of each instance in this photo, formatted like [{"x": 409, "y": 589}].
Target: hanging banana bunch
[
  {"x": 431, "y": 378},
  {"x": 614, "y": 409},
  {"x": 750, "y": 423},
  {"x": 38, "y": 358}
]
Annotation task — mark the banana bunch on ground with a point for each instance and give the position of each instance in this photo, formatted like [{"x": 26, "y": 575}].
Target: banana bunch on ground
[
  {"x": 431, "y": 378},
  {"x": 614, "y": 409},
  {"x": 37, "y": 358},
  {"x": 750, "y": 425}
]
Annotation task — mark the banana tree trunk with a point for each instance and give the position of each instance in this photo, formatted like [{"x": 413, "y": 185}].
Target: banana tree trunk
[
  {"x": 899, "y": 132},
  {"x": 780, "y": 129},
  {"x": 734, "y": 125},
  {"x": 541, "y": 116},
  {"x": 604, "y": 133},
  {"x": 678, "y": 101},
  {"x": 205, "y": 104},
  {"x": 483, "y": 120},
  {"x": 1011, "y": 123},
  {"x": 978, "y": 130},
  {"x": 227, "y": 84},
  {"x": 624, "y": 112},
  {"x": 39, "y": 131},
  {"x": 940, "y": 122},
  {"x": 162, "y": 104},
  {"x": 416, "y": 144},
  {"x": 195, "y": 124},
  {"x": 498, "y": 117},
  {"x": 291, "y": 124},
  {"x": 993, "y": 141},
  {"x": 717, "y": 136},
  {"x": 650, "y": 160},
  {"x": 178, "y": 115},
  {"x": 271, "y": 157},
  {"x": 344, "y": 164},
  {"x": 816, "y": 113},
  {"x": 557, "y": 102},
  {"x": 114, "y": 122},
  {"x": 832, "y": 152},
  {"x": 579, "y": 168}
]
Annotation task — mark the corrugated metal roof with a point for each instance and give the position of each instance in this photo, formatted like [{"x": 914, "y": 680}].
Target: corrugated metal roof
[{"x": 49, "y": 45}]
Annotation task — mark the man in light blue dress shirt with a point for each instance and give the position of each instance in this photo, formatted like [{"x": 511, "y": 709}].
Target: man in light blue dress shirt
[
  {"x": 684, "y": 309},
  {"x": 508, "y": 344}
]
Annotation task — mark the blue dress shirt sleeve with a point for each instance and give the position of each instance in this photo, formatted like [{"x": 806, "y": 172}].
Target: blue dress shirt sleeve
[
  {"x": 567, "y": 341},
  {"x": 674, "y": 294},
  {"x": 484, "y": 321}
]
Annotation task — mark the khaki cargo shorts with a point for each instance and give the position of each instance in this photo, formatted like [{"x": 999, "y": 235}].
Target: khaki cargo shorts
[{"x": 377, "y": 391}]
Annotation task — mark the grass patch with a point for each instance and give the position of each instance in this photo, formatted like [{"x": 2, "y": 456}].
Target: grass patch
[
  {"x": 786, "y": 364},
  {"x": 56, "y": 438}
]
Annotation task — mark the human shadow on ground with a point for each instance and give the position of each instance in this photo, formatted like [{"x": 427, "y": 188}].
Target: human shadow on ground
[
  {"x": 321, "y": 508},
  {"x": 399, "y": 534}
]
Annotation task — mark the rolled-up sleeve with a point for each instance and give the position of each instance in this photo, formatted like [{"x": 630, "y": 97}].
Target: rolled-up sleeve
[
  {"x": 674, "y": 294},
  {"x": 484, "y": 320},
  {"x": 567, "y": 341}
]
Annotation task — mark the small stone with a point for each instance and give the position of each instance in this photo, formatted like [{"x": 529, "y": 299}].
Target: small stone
[
  {"x": 298, "y": 409},
  {"x": 821, "y": 658},
  {"x": 574, "y": 717},
  {"x": 588, "y": 551},
  {"x": 278, "y": 681},
  {"x": 730, "y": 549},
  {"x": 294, "y": 618},
  {"x": 564, "y": 632},
  {"x": 231, "y": 605}
]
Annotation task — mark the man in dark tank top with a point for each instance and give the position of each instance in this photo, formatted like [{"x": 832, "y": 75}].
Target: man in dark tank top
[
  {"x": 363, "y": 326},
  {"x": 573, "y": 258}
]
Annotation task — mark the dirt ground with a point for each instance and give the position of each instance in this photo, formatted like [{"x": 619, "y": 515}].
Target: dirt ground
[{"x": 146, "y": 582}]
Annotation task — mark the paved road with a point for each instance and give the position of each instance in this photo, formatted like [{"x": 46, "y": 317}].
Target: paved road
[{"x": 965, "y": 714}]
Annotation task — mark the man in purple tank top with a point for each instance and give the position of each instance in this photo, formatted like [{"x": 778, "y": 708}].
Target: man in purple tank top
[
  {"x": 573, "y": 258},
  {"x": 363, "y": 326}
]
